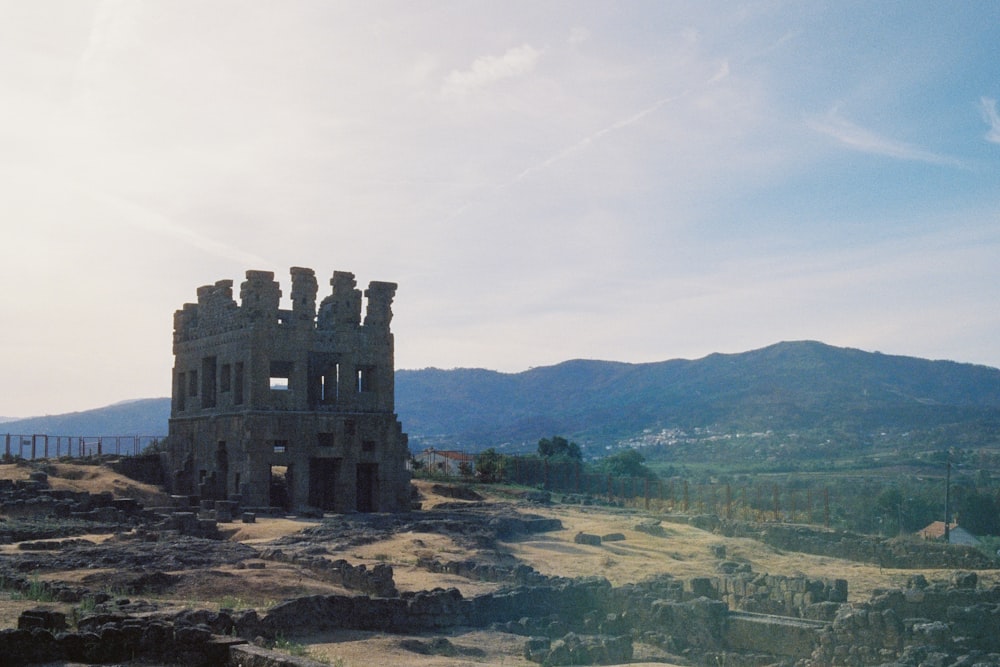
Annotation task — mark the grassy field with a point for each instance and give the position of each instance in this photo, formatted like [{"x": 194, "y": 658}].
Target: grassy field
[{"x": 683, "y": 551}]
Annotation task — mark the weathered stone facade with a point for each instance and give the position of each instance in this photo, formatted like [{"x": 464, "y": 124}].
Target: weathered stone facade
[{"x": 288, "y": 408}]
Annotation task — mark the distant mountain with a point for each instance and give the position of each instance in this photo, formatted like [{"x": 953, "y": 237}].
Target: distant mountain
[
  {"x": 805, "y": 390},
  {"x": 791, "y": 386},
  {"x": 145, "y": 416}
]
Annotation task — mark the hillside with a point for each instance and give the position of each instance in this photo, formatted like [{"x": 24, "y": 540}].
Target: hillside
[
  {"x": 145, "y": 416},
  {"x": 788, "y": 387},
  {"x": 793, "y": 396}
]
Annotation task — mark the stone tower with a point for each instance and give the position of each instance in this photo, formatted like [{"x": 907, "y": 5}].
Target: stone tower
[{"x": 288, "y": 408}]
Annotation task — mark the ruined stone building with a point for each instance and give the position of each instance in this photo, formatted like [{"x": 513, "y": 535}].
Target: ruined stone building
[{"x": 288, "y": 408}]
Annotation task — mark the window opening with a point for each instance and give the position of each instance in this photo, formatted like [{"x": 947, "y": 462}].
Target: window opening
[
  {"x": 238, "y": 382},
  {"x": 208, "y": 382},
  {"x": 329, "y": 384},
  {"x": 181, "y": 391},
  {"x": 281, "y": 373},
  {"x": 365, "y": 379}
]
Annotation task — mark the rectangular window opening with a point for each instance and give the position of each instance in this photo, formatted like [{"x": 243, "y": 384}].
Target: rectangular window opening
[
  {"x": 238, "y": 384},
  {"x": 181, "y": 391},
  {"x": 281, "y": 373},
  {"x": 366, "y": 379},
  {"x": 325, "y": 439},
  {"x": 280, "y": 446},
  {"x": 329, "y": 385},
  {"x": 208, "y": 367}
]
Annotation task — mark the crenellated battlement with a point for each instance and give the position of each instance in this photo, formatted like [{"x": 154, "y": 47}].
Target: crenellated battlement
[{"x": 260, "y": 295}]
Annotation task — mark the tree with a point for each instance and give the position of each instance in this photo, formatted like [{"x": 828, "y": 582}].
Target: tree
[
  {"x": 559, "y": 447},
  {"x": 977, "y": 513},
  {"x": 490, "y": 466},
  {"x": 627, "y": 463}
]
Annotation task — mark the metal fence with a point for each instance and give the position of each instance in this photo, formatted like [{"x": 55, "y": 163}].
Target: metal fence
[{"x": 40, "y": 446}]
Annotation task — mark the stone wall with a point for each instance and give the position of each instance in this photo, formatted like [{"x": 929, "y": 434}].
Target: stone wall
[
  {"x": 146, "y": 468},
  {"x": 893, "y": 553},
  {"x": 953, "y": 620}
]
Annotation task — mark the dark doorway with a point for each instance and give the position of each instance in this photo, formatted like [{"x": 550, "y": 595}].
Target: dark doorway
[
  {"x": 222, "y": 471},
  {"x": 323, "y": 483},
  {"x": 280, "y": 491},
  {"x": 367, "y": 487}
]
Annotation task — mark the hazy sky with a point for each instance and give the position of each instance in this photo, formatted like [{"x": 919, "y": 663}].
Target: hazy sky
[{"x": 635, "y": 181}]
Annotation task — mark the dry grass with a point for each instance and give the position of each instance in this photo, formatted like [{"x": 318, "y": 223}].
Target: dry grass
[
  {"x": 91, "y": 479},
  {"x": 684, "y": 552}
]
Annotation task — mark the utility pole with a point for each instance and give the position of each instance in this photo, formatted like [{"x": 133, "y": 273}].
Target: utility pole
[{"x": 947, "y": 503}]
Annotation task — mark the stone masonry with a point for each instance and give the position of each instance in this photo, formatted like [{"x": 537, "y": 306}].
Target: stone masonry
[{"x": 287, "y": 408}]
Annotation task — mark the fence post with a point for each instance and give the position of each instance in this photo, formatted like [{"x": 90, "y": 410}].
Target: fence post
[
  {"x": 7, "y": 452},
  {"x": 32, "y": 448}
]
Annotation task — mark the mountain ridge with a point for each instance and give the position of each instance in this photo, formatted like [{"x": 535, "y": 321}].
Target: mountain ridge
[{"x": 791, "y": 386}]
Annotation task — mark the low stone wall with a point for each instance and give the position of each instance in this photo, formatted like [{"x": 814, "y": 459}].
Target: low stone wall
[
  {"x": 798, "y": 597},
  {"x": 376, "y": 581},
  {"x": 775, "y": 635},
  {"x": 519, "y": 575},
  {"x": 434, "y": 610},
  {"x": 952, "y": 619},
  {"x": 248, "y": 655},
  {"x": 894, "y": 553},
  {"x": 146, "y": 468},
  {"x": 104, "y": 639}
]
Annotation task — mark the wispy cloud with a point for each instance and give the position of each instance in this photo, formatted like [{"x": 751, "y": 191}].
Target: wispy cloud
[
  {"x": 142, "y": 217},
  {"x": 721, "y": 73},
  {"x": 992, "y": 118},
  {"x": 485, "y": 70},
  {"x": 864, "y": 140}
]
